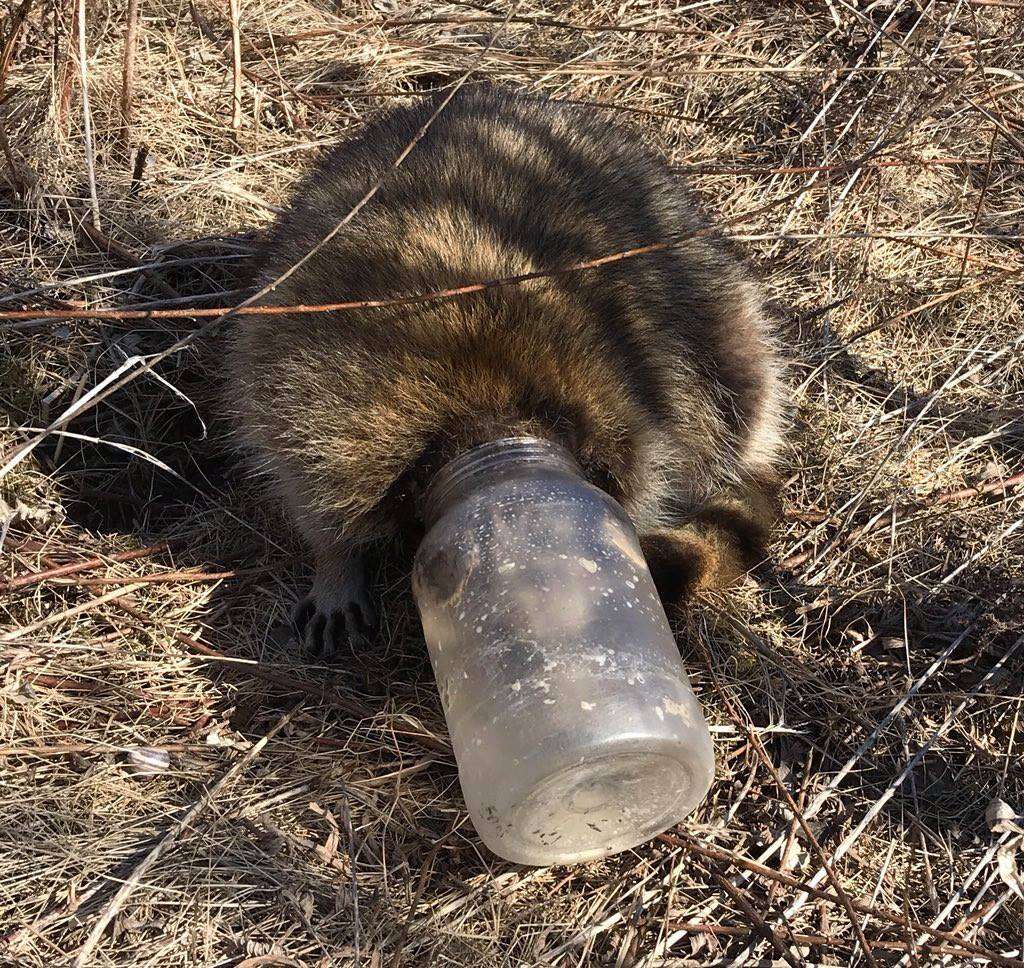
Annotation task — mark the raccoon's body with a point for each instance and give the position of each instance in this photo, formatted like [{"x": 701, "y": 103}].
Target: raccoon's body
[{"x": 657, "y": 371}]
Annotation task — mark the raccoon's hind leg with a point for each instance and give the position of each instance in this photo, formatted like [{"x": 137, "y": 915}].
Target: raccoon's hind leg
[
  {"x": 715, "y": 545},
  {"x": 337, "y": 608}
]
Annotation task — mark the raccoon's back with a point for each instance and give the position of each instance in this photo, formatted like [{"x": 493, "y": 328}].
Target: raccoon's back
[{"x": 498, "y": 186}]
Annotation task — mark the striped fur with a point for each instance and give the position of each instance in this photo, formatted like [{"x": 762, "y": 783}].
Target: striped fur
[{"x": 659, "y": 372}]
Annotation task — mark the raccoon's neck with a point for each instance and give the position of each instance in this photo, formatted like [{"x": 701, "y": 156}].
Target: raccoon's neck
[
  {"x": 406, "y": 497},
  {"x": 483, "y": 429}
]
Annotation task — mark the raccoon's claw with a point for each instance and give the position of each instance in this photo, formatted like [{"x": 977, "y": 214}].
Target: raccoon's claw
[
  {"x": 337, "y": 610},
  {"x": 325, "y": 626}
]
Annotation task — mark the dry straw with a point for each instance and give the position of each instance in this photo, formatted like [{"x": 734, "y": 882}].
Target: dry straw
[{"x": 864, "y": 686}]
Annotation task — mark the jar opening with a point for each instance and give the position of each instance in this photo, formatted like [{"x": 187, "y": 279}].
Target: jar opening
[{"x": 471, "y": 467}]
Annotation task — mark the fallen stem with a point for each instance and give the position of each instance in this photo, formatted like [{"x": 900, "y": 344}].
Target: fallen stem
[
  {"x": 758, "y": 923},
  {"x": 1003, "y": 485},
  {"x": 894, "y": 917},
  {"x": 77, "y": 567}
]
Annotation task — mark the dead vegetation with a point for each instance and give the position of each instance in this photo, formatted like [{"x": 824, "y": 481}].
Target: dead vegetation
[{"x": 178, "y": 787}]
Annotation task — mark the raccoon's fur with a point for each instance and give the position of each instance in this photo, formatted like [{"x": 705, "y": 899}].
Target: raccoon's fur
[{"x": 658, "y": 372}]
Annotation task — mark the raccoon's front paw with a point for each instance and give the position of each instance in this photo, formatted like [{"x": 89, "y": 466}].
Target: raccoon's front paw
[
  {"x": 336, "y": 611},
  {"x": 324, "y": 625}
]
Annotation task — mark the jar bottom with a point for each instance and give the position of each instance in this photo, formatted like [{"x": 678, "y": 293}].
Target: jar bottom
[{"x": 595, "y": 808}]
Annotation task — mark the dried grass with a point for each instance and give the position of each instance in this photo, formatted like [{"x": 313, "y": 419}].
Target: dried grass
[{"x": 877, "y": 673}]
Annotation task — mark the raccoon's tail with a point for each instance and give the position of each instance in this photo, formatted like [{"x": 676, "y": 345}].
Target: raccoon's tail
[{"x": 712, "y": 549}]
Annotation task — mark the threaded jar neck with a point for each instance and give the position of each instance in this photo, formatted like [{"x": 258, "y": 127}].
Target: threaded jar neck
[{"x": 488, "y": 461}]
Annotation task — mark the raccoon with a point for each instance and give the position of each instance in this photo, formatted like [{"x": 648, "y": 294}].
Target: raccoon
[{"x": 659, "y": 372}]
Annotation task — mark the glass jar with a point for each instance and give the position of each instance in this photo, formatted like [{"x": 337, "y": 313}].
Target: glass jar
[{"x": 570, "y": 714}]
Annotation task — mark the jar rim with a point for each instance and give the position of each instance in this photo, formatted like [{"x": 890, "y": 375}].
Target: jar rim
[{"x": 484, "y": 460}]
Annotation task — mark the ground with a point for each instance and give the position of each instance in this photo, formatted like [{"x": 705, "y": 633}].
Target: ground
[{"x": 158, "y": 727}]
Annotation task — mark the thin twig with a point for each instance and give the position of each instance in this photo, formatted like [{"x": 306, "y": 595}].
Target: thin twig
[
  {"x": 175, "y": 577},
  {"x": 61, "y": 571},
  {"x": 713, "y": 168},
  {"x": 90, "y": 150},
  {"x": 236, "y": 68},
  {"x": 784, "y": 858},
  {"x": 597, "y": 27},
  {"x": 16, "y": 22},
  {"x": 980, "y": 204},
  {"x": 21, "y": 633},
  {"x": 756, "y": 921},
  {"x": 66, "y": 72},
  {"x": 758, "y": 746},
  {"x": 248, "y": 309},
  {"x": 1002, "y": 485},
  {"x": 930, "y": 304},
  {"x": 421, "y": 883},
  {"x": 885, "y": 914},
  {"x": 97, "y": 746},
  {"x": 350, "y": 837}
]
